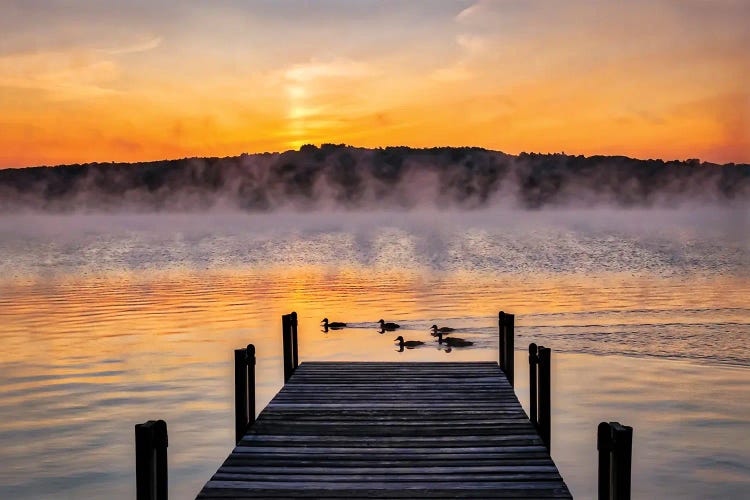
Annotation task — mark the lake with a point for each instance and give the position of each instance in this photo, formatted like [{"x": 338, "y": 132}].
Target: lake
[{"x": 111, "y": 320}]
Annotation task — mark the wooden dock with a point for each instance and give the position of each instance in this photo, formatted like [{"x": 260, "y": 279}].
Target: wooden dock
[{"x": 391, "y": 430}]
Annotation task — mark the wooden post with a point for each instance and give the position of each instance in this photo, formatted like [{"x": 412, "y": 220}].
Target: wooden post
[
  {"x": 240, "y": 394},
  {"x": 615, "y": 445},
  {"x": 501, "y": 340},
  {"x": 510, "y": 320},
  {"x": 286, "y": 334},
  {"x": 604, "y": 446},
  {"x": 533, "y": 388},
  {"x": 244, "y": 390},
  {"x": 506, "y": 344},
  {"x": 151, "y": 460},
  {"x": 250, "y": 383},
  {"x": 545, "y": 410},
  {"x": 540, "y": 392},
  {"x": 622, "y": 460},
  {"x": 295, "y": 351}
]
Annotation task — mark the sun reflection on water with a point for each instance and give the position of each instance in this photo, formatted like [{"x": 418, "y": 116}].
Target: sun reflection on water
[{"x": 87, "y": 357}]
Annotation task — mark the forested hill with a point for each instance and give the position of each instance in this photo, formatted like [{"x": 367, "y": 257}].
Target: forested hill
[{"x": 344, "y": 177}]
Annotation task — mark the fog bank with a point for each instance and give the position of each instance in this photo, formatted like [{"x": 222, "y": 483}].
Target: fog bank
[
  {"x": 338, "y": 177},
  {"x": 492, "y": 242}
]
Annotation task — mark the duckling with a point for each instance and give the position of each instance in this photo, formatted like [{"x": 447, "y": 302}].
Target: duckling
[
  {"x": 453, "y": 341},
  {"x": 409, "y": 344},
  {"x": 443, "y": 329},
  {"x": 333, "y": 325},
  {"x": 388, "y": 326}
]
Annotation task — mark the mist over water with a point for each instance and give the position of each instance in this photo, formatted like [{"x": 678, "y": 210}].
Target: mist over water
[
  {"x": 661, "y": 242},
  {"x": 340, "y": 177}
]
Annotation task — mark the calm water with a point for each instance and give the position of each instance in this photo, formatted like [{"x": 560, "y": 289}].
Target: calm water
[{"x": 108, "y": 321}]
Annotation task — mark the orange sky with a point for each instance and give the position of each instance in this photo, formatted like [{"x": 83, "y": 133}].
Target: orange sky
[{"x": 151, "y": 80}]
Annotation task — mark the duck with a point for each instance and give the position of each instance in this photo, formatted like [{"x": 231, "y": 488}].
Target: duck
[
  {"x": 388, "y": 326},
  {"x": 443, "y": 329},
  {"x": 332, "y": 325},
  {"x": 453, "y": 341},
  {"x": 409, "y": 344}
]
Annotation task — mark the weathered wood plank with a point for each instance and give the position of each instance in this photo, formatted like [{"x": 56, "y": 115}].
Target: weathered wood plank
[
  {"x": 527, "y": 437},
  {"x": 358, "y": 460},
  {"x": 412, "y": 479},
  {"x": 392, "y": 470},
  {"x": 512, "y": 489}
]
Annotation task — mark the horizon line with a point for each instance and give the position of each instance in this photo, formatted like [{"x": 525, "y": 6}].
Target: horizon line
[{"x": 340, "y": 145}]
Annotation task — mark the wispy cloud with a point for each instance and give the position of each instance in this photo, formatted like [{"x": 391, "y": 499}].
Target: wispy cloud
[
  {"x": 471, "y": 43},
  {"x": 143, "y": 45},
  {"x": 338, "y": 68},
  {"x": 77, "y": 73},
  {"x": 469, "y": 12},
  {"x": 61, "y": 75}
]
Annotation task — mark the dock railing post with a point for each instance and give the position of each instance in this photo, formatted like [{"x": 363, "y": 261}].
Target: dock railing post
[
  {"x": 295, "y": 351},
  {"x": 501, "y": 340},
  {"x": 604, "y": 446},
  {"x": 533, "y": 385},
  {"x": 540, "y": 392},
  {"x": 544, "y": 418},
  {"x": 286, "y": 333},
  {"x": 615, "y": 444},
  {"x": 622, "y": 458},
  {"x": 510, "y": 321},
  {"x": 250, "y": 384},
  {"x": 151, "y": 460},
  {"x": 244, "y": 390},
  {"x": 240, "y": 394},
  {"x": 506, "y": 325}
]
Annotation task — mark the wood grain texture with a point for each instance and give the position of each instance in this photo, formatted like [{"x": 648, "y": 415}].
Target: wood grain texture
[{"x": 391, "y": 430}]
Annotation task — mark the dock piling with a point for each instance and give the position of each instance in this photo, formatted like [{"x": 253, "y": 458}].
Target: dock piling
[
  {"x": 289, "y": 337},
  {"x": 151, "y": 460},
  {"x": 250, "y": 383},
  {"x": 615, "y": 444},
  {"x": 244, "y": 390},
  {"x": 295, "y": 351},
  {"x": 506, "y": 325},
  {"x": 286, "y": 322},
  {"x": 545, "y": 407},
  {"x": 533, "y": 392},
  {"x": 540, "y": 410}
]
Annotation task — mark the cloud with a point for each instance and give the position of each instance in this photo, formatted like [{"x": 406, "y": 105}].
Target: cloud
[
  {"x": 339, "y": 68},
  {"x": 471, "y": 43},
  {"x": 62, "y": 75},
  {"x": 139, "y": 46},
  {"x": 469, "y": 12},
  {"x": 460, "y": 71},
  {"x": 77, "y": 73}
]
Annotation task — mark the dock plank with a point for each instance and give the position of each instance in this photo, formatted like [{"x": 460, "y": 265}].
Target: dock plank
[{"x": 391, "y": 430}]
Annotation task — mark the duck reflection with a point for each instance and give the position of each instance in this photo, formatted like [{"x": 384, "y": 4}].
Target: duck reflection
[{"x": 445, "y": 348}]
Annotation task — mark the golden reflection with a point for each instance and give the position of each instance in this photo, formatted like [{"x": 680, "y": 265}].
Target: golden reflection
[
  {"x": 180, "y": 314},
  {"x": 85, "y": 356}
]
